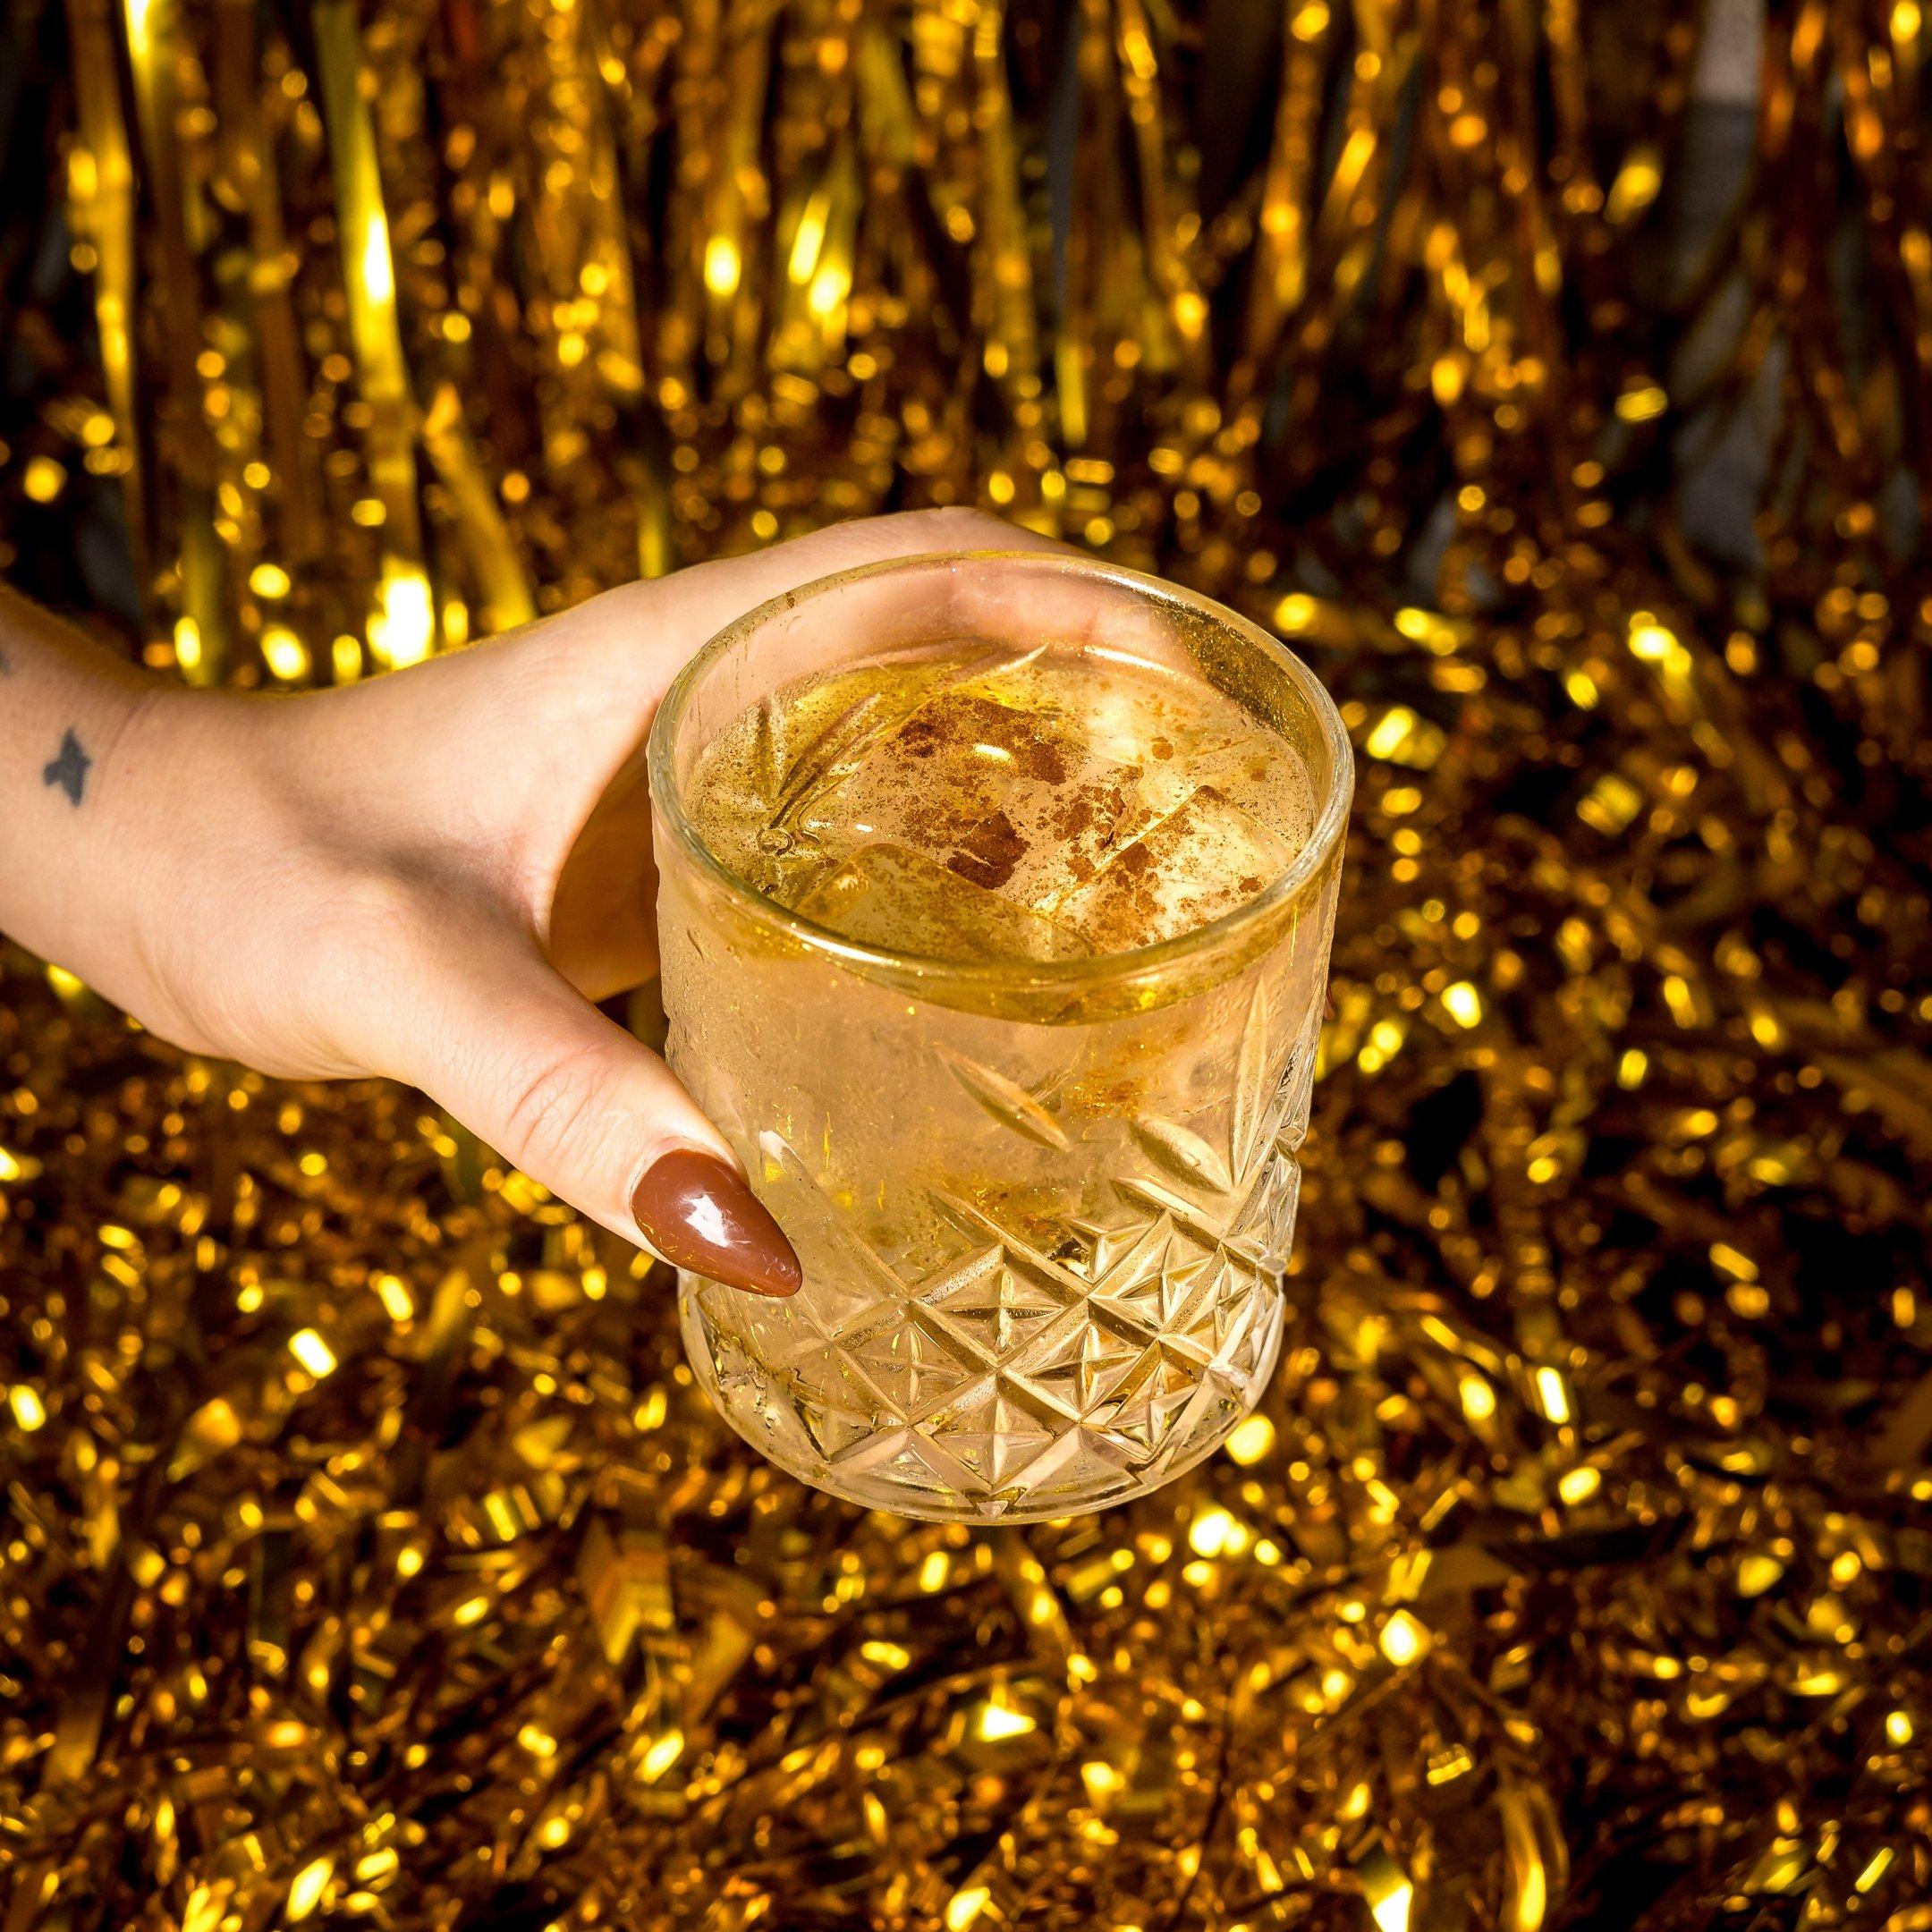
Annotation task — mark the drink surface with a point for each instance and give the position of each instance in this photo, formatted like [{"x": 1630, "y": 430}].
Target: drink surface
[{"x": 967, "y": 804}]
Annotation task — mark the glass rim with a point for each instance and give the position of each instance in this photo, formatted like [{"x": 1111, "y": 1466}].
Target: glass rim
[{"x": 1135, "y": 962}]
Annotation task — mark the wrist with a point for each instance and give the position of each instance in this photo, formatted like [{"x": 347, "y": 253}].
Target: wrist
[
  {"x": 67, "y": 711},
  {"x": 192, "y": 822},
  {"x": 116, "y": 845}
]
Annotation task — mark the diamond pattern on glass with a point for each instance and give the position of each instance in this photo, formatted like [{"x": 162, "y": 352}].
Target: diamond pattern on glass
[
  {"x": 1010, "y": 1379},
  {"x": 1004, "y": 1360}
]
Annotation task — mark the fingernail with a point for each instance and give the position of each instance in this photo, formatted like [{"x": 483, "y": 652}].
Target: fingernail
[{"x": 698, "y": 1213}]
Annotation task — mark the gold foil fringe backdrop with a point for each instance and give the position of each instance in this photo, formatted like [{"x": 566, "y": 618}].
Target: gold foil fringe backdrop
[{"x": 368, "y": 1556}]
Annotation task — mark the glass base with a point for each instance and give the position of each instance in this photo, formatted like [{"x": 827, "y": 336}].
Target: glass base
[{"x": 1008, "y": 1387}]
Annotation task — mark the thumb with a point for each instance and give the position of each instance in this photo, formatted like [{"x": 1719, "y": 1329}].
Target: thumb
[{"x": 535, "y": 1071}]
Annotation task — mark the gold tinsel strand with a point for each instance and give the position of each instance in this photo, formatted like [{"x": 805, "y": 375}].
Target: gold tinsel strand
[{"x": 368, "y": 1556}]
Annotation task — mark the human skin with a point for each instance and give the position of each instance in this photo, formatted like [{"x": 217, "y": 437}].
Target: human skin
[{"x": 431, "y": 877}]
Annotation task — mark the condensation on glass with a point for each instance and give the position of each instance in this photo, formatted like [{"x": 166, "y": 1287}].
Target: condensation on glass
[{"x": 1044, "y": 1207}]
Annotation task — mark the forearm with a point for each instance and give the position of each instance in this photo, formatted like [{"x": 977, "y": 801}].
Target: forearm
[{"x": 76, "y": 824}]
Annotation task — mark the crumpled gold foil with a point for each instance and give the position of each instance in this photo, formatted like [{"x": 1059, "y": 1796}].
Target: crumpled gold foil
[{"x": 368, "y": 1555}]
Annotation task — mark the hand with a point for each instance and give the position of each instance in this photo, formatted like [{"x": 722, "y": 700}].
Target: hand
[{"x": 431, "y": 876}]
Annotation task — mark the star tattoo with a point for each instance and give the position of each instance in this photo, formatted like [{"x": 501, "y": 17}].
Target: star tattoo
[{"x": 69, "y": 771}]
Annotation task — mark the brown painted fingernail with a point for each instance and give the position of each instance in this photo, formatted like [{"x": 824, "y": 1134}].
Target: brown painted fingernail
[{"x": 699, "y": 1214}]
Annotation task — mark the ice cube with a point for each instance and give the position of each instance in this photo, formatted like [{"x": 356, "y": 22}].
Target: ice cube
[
  {"x": 1263, "y": 778},
  {"x": 1203, "y": 859},
  {"x": 1251, "y": 769},
  {"x": 886, "y": 894},
  {"x": 820, "y": 761},
  {"x": 1007, "y": 796}
]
